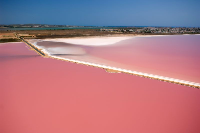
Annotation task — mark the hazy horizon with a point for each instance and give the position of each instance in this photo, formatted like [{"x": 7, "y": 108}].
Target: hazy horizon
[{"x": 104, "y": 25}]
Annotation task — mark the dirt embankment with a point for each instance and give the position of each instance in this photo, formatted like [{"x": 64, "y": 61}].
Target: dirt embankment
[
  {"x": 67, "y": 33},
  {"x": 9, "y": 36}
]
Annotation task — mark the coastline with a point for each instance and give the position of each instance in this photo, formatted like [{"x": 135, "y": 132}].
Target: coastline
[
  {"x": 77, "y": 39},
  {"x": 5, "y": 40}
]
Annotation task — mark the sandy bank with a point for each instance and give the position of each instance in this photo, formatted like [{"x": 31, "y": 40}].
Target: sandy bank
[
  {"x": 93, "y": 41},
  {"x": 90, "y": 41}
]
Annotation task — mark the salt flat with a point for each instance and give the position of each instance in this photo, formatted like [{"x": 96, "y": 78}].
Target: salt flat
[{"x": 91, "y": 41}]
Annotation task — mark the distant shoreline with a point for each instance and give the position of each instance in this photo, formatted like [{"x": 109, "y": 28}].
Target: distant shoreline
[{"x": 10, "y": 36}]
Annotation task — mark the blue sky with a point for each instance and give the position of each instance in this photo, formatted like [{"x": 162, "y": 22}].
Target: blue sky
[{"x": 101, "y": 12}]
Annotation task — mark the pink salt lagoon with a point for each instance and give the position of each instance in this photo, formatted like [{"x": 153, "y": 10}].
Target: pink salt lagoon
[
  {"x": 169, "y": 56},
  {"x": 44, "y": 95}
]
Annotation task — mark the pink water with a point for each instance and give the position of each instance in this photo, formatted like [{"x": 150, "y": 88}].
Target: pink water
[
  {"x": 41, "y": 95},
  {"x": 174, "y": 56},
  {"x": 171, "y": 56}
]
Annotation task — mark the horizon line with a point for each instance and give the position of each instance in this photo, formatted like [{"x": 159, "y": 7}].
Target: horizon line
[{"x": 100, "y": 26}]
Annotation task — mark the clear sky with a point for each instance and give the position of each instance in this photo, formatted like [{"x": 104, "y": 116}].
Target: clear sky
[{"x": 102, "y": 12}]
